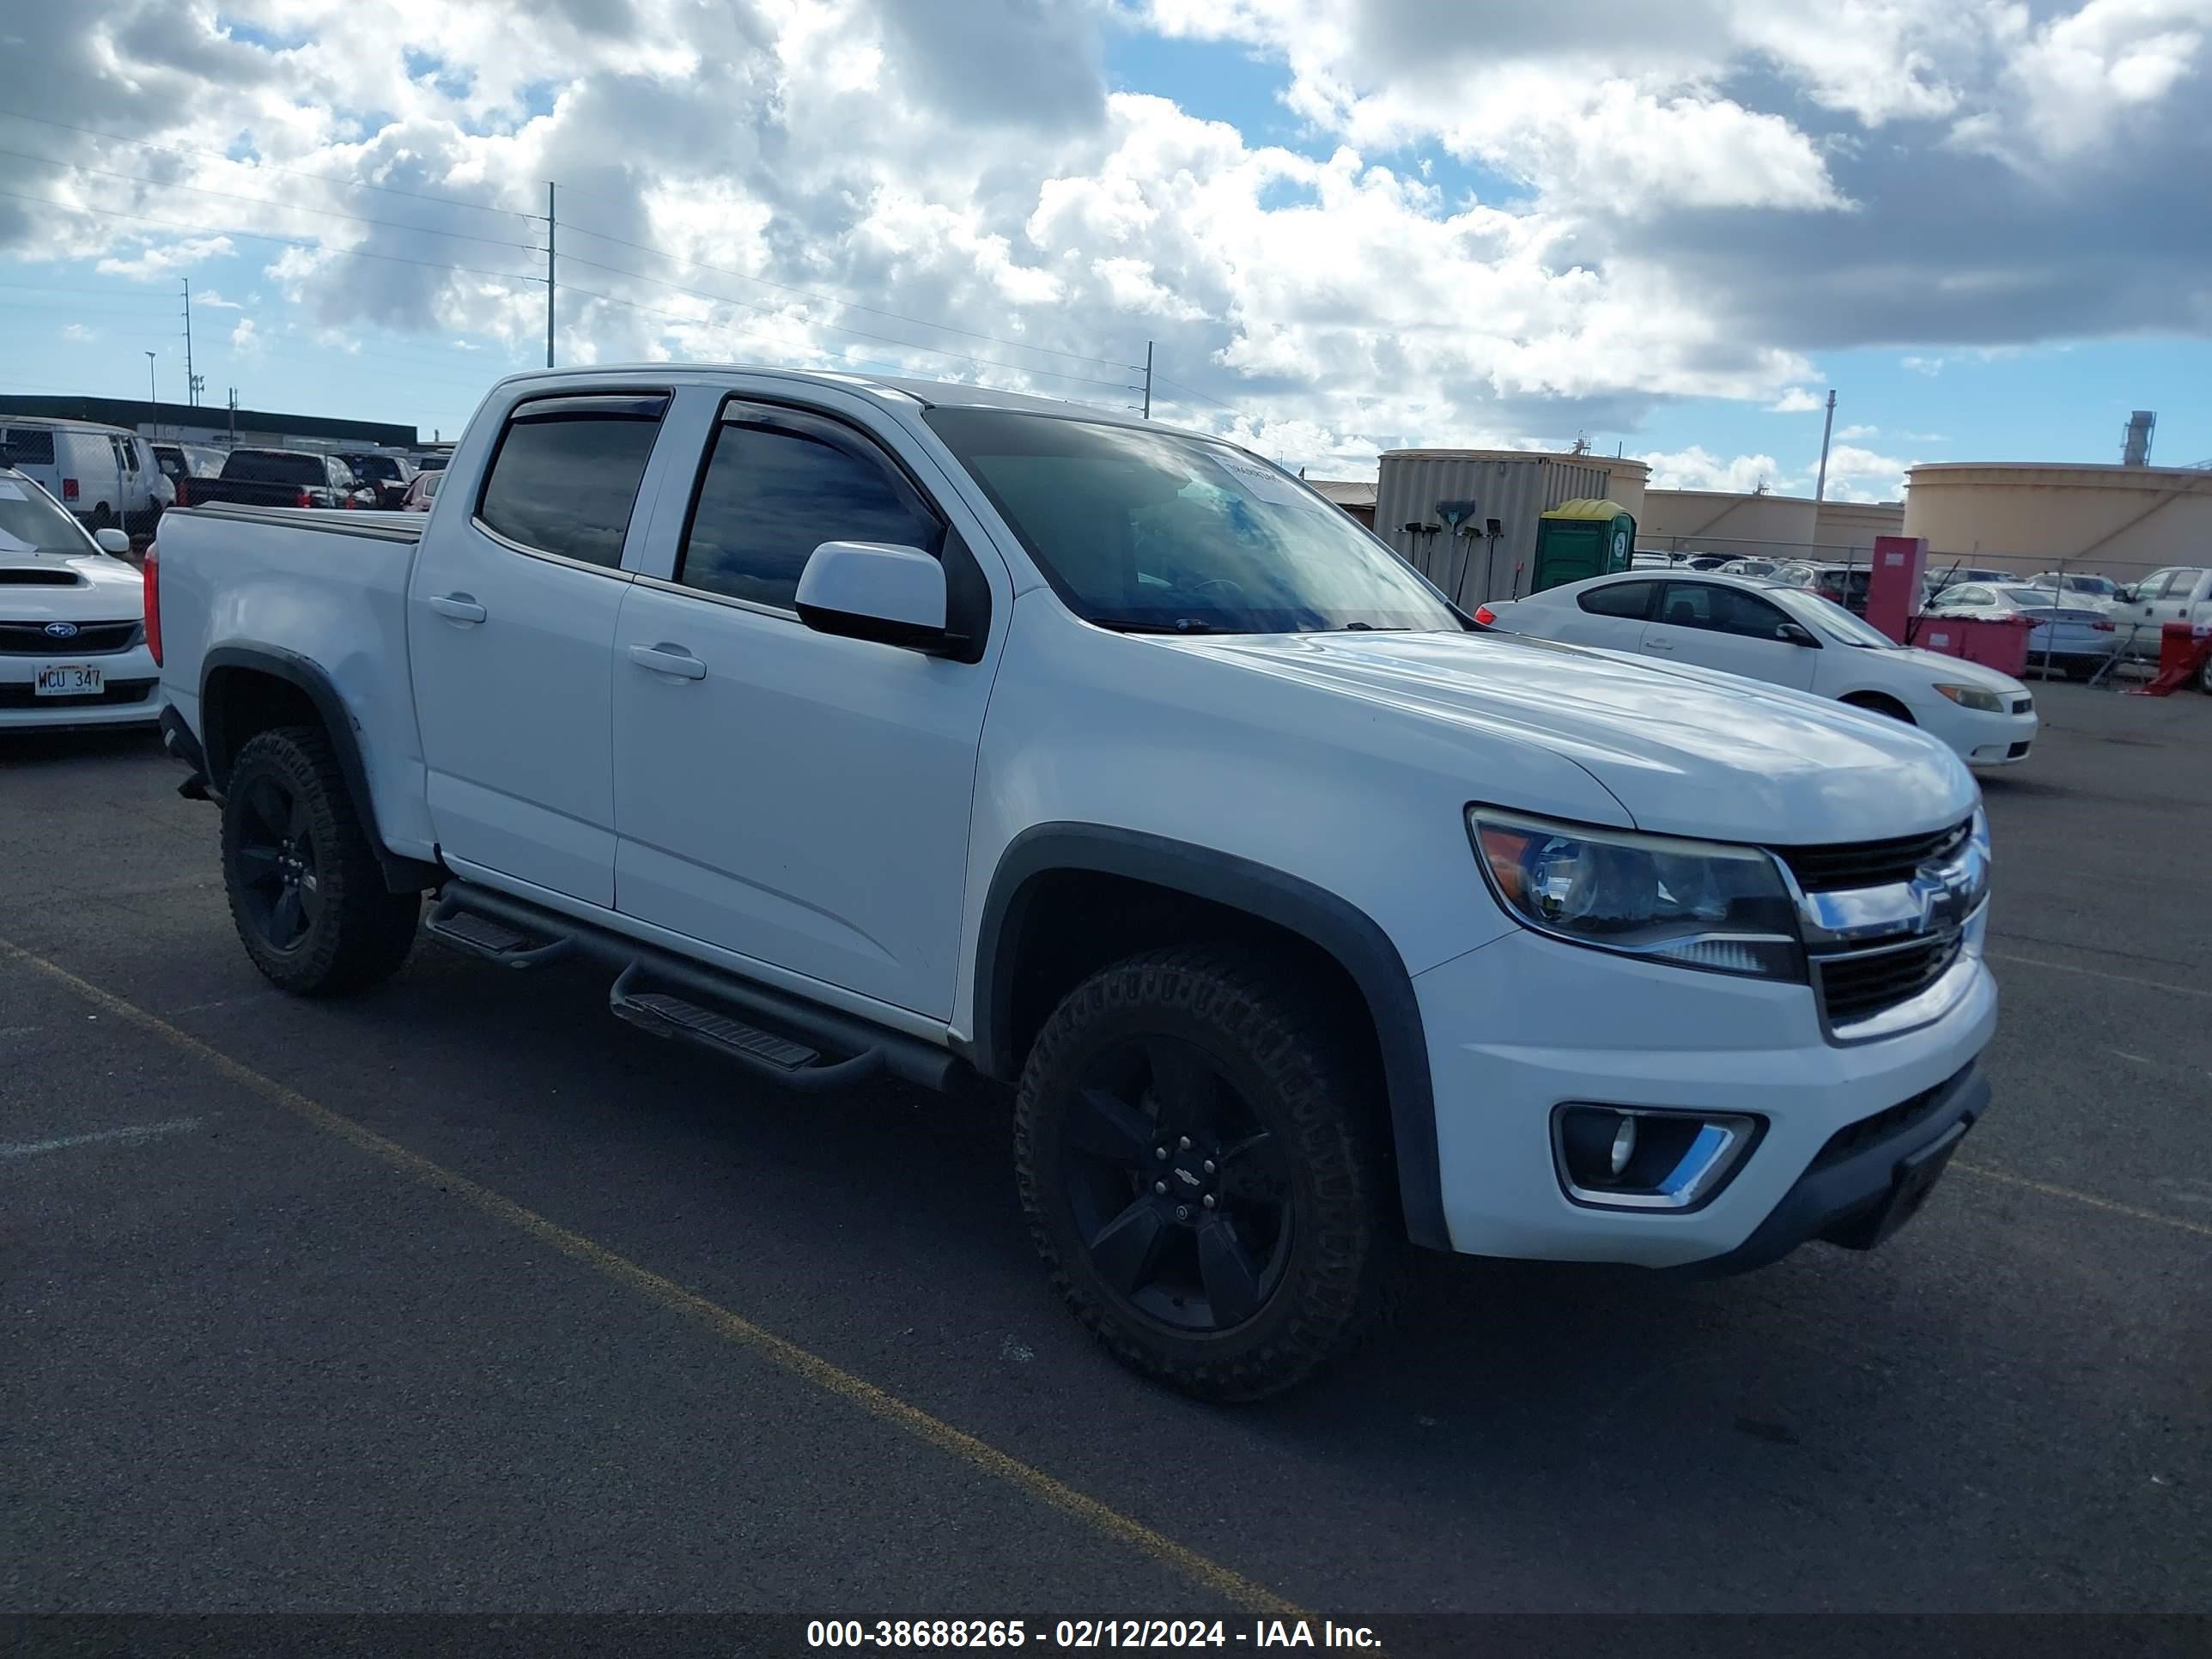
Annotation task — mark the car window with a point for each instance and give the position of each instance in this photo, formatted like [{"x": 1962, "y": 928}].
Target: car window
[
  {"x": 776, "y": 486},
  {"x": 565, "y": 476},
  {"x": 431, "y": 488},
  {"x": 30, "y": 445},
  {"x": 1720, "y": 610},
  {"x": 1968, "y": 596},
  {"x": 2183, "y": 584},
  {"x": 1619, "y": 599}
]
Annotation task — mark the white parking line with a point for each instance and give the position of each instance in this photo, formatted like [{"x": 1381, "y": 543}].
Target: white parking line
[
  {"x": 2098, "y": 973},
  {"x": 175, "y": 1125}
]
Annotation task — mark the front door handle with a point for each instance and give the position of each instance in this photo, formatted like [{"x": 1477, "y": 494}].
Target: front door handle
[
  {"x": 668, "y": 660},
  {"x": 459, "y": 607},
  {"x": 1657, "y": 645}
]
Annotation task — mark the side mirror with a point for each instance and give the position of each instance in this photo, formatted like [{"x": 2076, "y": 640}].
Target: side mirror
[
  {"x": 112, "y": 541},
  {"x": 1790, "y": 633},
  {"x": 875, "y": 590}
]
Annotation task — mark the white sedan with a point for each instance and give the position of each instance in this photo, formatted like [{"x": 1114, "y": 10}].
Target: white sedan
[
  {"x": 72, "y": 619},
  {"x": 1786, "y": 635}
]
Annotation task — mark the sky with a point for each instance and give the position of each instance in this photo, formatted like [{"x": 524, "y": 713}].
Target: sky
[{"x": 1341, "y": 226}]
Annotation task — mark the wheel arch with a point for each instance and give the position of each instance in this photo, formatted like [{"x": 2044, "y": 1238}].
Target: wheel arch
[
  {"x": 1879, "y": 702},
  {"x": 1018, "y": 920},
  {"x": 248, "y": 690}
]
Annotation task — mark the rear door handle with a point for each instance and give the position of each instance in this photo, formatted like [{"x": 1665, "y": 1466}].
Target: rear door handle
[
  {"x": 1657, "y": 645},
  {"x": 668, "y": 660},
  {"x": 459, "y": 607}
]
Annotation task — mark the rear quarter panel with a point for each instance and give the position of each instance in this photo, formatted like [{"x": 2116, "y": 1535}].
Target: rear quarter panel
[{"x": 336, "y": 600}]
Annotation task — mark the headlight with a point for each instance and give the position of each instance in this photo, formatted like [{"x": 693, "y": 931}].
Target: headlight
[
  {"x": 1973, "y": 697},
  {"x": 1694, "y": 904}
]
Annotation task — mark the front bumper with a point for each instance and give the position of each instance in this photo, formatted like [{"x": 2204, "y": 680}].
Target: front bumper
[
  {"x": 1527, "y": 1023},
  {"x": 134, "y": 694}
]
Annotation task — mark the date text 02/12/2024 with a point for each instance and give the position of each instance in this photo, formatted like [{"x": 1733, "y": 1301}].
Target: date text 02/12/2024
[{"x": 1085, "y": 1633}]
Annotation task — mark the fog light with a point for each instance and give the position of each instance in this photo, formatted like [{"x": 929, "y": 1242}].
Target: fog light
[
  {"x": 1635, "y": 1158},
  {"x": 1624, "y": 1143}
]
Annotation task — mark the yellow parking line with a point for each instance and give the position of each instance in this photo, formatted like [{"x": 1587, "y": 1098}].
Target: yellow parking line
[
  {"x": 2093, "y": 1203},
  {"x": 2098, "y": 973},
  {"x": 989, "y": 1460}
]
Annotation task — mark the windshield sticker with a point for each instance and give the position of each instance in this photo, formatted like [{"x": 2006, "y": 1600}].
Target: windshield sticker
[
  {"x": 1264, "y": 484},
  {"x": 12, "y": 492}
]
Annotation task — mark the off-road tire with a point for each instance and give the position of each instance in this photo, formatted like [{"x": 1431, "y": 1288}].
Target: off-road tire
[
  {"x": 1310, "y": 1086},
  {"x": 363, "y": 931}
]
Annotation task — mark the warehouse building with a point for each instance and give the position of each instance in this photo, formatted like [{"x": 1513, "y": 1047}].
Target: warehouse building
[{"x": 198, "y": 423}]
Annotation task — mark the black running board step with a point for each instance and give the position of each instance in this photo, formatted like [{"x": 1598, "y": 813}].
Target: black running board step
[
  {"x": 453, "y": 923},
  {"x": 793, "y": 1065}
]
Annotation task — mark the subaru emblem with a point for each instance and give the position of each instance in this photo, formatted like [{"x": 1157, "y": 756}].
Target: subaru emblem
[{"x": 61, "y": 630}]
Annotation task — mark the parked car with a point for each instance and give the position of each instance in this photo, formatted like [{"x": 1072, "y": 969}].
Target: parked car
[
  {"x": 1750, "y": 566},
  {"x": 104, "y": 474},
  {"x": 1842, "y": 584},
  {"x": 1646, "y": 559},
  {"x": 1279, "y": 899},
  {"x": 180, "y": 461},
  {"x": 281, "y": 477},
  {"x": 2079, "y": 588},
  {"x": 2075, "y": 638},
  {"x": 421, "y": 491},
  {"x": 387, "y": 475},
  {"x": 2179, "y": 593},
  {"x": 432, "y": 461},
  {"x": 1789, "y": 636},
  {"x": 72, "y": 624}
]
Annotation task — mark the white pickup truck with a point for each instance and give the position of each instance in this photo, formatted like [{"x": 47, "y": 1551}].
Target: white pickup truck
[{"x": 865, "y": 728}]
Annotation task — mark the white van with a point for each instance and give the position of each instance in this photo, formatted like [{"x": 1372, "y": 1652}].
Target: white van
[{"x": 105, "y": 474}]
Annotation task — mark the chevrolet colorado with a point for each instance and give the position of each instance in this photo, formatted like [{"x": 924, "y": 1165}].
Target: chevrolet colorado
[{"x": 865, "y": 728}]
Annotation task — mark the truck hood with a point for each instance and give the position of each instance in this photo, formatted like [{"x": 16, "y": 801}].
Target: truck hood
[
  {"x": 68, "y": 587},
  {"x": 1684, "y": 750}
]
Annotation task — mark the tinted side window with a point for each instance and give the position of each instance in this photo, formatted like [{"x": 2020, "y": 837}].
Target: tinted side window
[
  {"x": 1725, "y": 610},
  {"x": 567, "y": 474},
  {"x": 2182, "y": 584},
  {"x": 774, "y": 492},
  {"x": 1619, "y": 599},
  {"x": 31, "y": 446}
]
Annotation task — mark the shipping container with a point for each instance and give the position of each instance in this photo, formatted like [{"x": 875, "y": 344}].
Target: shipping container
[{"x": 1419, "y": 494}]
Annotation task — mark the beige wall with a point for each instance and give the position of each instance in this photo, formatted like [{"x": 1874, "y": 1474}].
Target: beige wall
[
  {"x": 1696, "y": 515},
  {"x": 2124, "y": 517},
  {"x": 1856, "y": 524},
  {"x": 1625, "y": 482}
]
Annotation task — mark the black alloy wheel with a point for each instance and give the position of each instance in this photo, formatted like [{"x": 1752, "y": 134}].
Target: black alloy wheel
[
  {"x": 279, "y": 881},
  {"x": 1179, "y": 1191}
]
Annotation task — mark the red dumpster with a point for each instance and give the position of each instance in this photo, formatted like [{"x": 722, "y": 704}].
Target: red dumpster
[
  {"x": 2182, "y": 651},
  {"x": 1999, "y": 645}
]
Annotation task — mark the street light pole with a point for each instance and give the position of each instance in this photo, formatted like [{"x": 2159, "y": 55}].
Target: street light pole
[{"x": 153, "y": 402}]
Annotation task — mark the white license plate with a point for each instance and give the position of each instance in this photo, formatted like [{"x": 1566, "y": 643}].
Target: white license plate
[{"x": 68, "y": 680}]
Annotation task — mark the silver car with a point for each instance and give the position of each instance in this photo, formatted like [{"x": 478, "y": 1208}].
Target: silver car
[{"x": 2075, "y": 639}]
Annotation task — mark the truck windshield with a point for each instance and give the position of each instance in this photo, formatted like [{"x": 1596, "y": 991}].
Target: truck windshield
[
  {"x": 1157, "y": 532},
  {"x": 30, "y": 522}
]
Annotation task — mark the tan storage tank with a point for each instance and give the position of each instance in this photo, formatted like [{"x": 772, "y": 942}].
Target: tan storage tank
[
  {"x": 1416, "y": 490},
  {"x": 1856, "y": 524},
  {"x": 2030, "y": 515},
  {"x": 1721, "y": 521}
]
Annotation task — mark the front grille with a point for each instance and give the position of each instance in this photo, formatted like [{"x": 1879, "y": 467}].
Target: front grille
[
  {"x": 1855, "y": 1137},
  {"x": 30, "y": 639},
  {"x": 26, "y": 696},
  {"x": 1856, "y": 987},
  {"x": 1868, "y": 863}
]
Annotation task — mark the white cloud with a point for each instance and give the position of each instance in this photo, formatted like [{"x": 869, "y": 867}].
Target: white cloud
[
  {"x": 214, "y": 300},
  {"x": 2077, "y": 82},
  {"x": 1857, "y": 474},
  {"x": 1695, "y": 468},
  {"x": 1849, "y": 434},
  {"x": 1931, "y": 366},
  {"x": 244, "y": 339},
  {"x": 1797, "y": 401},
  {"x": 160, "y": 259},
  {"x": 79, "y": 333}
]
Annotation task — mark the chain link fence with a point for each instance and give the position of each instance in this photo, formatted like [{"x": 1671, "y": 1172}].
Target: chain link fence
[{"x": 2089, "y": 583}]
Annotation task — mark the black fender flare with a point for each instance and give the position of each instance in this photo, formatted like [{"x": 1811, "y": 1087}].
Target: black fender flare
[
  {"x": 1328, "y": 922},
  {"x": 401, "y": 875}
]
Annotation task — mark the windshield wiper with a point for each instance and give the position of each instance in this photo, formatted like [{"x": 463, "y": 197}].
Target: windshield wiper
[{"x": 1133, "y": 625}]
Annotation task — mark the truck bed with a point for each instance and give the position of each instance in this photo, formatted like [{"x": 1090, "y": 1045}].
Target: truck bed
[{"x": 340, "y": 521}]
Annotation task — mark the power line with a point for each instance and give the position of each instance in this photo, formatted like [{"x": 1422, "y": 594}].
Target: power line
[
  {"x": 268, "y": 202},
  {"x": 1200, "y": 396},
  {"x": 832, "y": 300},
  {"x": 880, "y": 339},
  {"x": 264, "y": 236},
  {"x": 269, "y": 166}
]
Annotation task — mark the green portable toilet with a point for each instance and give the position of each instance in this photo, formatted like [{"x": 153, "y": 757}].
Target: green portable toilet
[{"x": 1581, "y": 539}]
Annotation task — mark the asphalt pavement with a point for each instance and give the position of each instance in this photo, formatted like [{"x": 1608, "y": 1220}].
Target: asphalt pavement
[{"x": 460, "y": 1295}]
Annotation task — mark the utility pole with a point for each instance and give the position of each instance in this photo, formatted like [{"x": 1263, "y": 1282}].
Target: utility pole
[
  {"x": 233, "y": 418},
  {"x": 1148, "y": 379},
  {"x": 549, "y": 226},
  {"x": 1821, "y": 490},
  {"x": 192, "y": 382},
  {"x": 153, "y": 402}
]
